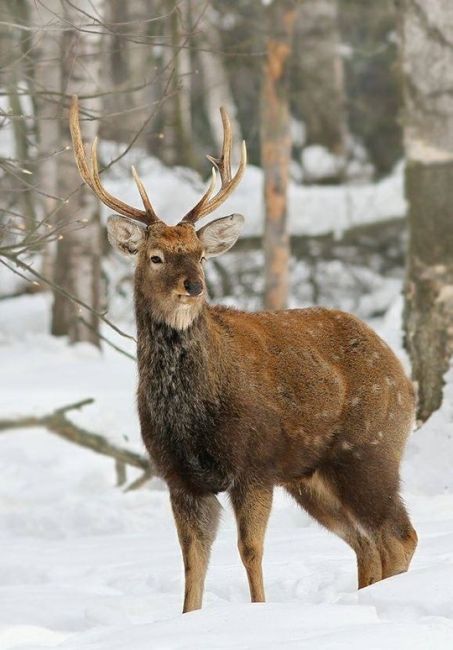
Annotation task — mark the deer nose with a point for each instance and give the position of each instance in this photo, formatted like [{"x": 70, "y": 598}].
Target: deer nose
[{"x": 193, "y": 287}]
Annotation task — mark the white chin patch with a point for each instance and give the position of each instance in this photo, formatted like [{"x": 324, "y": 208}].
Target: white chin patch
[{"x": 183, "y": 316}]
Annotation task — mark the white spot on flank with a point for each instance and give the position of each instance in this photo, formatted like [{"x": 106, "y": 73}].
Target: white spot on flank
[
  {"x": 376, "y": 388},
  {"x": 346, "y": 446},
  {"x": 354, "y": 401}
]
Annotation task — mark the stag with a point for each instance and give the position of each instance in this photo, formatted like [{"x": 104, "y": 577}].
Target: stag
[{"x": 311, "y": 400}]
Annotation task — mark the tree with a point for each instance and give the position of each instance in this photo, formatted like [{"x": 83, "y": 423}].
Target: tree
[
  {"x": 47, "y": 103},
  {"x": 426, "y": 30},
  {"x": 79, "y": 250},
  {"x": 276, "y": 150},
  {"x": 130, "y": 69},
  {"x": 214, "y": 90},
  {"x": 319, "y": 76},
  {"x": 177, "y": 140}
]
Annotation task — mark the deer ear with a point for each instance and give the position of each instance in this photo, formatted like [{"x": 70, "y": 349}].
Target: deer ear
[
  {"x": 220, "y": 235},
  {"x": 125, "y": 235}
]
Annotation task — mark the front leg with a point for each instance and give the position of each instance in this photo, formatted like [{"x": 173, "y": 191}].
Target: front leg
[
  {"x": 252, "y": 505},
  {"x": 197, "y": 519}
]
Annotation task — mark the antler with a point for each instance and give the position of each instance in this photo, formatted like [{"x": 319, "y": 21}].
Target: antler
[
  {"x": 223, "y": 164},
  {"x": 92, "y": 178}
]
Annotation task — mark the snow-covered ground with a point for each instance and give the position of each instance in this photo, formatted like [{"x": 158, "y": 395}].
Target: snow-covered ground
[{"x": 84, "y": 565}]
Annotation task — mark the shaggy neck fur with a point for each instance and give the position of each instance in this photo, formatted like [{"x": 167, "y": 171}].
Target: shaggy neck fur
[{"x": 184, "y": 397}]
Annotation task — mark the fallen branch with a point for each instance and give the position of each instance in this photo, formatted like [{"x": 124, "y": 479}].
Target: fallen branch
[
  {"x": 140, "y": 481},
  {"x": 58, "y": 423}
]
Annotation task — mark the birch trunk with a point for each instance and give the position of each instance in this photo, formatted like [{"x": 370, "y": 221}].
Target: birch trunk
[
  {"x": 177, "y": 142},
  {"x": 426, "y": 30},
  {"x": 79, "y": 252},
  {"x": 276, "y": 151},
  {"x": 19, "y": 75},
  {"x": 47, "y": 82}
]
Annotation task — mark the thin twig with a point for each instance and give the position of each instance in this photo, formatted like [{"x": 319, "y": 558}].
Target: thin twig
[
  {"x": 63, "y": 292},
  {"x": 106, "y": 340}
]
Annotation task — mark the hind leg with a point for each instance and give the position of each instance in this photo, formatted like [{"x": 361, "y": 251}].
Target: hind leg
[
  {"x": 317, "y": 495},
  {"x": 397, "y": 543},
  {"x": 369, "y": 490}
]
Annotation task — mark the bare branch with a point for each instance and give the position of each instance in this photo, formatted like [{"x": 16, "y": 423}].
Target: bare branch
[
  {"x": 108, "y": 341},
  {"x": 58, "y": 423},
  {"x": 14, "y": 259}
]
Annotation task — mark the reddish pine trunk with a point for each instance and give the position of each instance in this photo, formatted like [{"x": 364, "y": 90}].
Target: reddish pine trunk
[{"x": 276, "y": 151}]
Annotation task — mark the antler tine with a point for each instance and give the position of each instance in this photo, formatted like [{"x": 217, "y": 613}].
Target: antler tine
[
  {"x": 223, "y": 163},
  {"x": 146, "y": 202},
  {"x": 107, "y": 198},
  {"x": 206, "y": 205},
  {"x": 192, "y": 216},
  {"x": 92, "y": 178}
]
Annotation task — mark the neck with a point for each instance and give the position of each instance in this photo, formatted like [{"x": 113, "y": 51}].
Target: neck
[
  {"x": 168, "y": 350},
  {"x": 182, "y": 393}
]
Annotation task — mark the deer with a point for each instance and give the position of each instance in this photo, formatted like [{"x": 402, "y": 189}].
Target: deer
[{"x": 310, "y": 400}]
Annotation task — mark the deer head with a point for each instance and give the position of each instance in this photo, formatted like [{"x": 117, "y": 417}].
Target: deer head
[{"x": 170, "y": 271}]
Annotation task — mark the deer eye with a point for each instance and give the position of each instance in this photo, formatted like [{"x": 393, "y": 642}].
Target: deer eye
[{"x": 155, "y": 259}]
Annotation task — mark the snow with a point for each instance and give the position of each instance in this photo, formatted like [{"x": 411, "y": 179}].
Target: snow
[
  {"x": 313, "y": 210},
  {"x": 318, "y": 162},
  {"x": 432, "y": 447},
  {"x": 85, "y": 565}
]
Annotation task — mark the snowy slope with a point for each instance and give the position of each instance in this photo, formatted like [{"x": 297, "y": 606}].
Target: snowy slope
[{"x": 84, "y": 566}]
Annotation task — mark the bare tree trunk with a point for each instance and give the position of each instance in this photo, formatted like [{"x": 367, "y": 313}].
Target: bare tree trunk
[
  {"x": 20, "y": 73},
  {"x": 47, "y": 86},
  {"x": 426, "y": 30},
  {"x": 130, "y": 63},
  {"x": 319, "y": 74},
  {"x": 47, "y": 52},
  {"x": 216, "y": 89},
  {"x": 276, "y": 150},
  {"x": 177, "y": 149},
  {"x": 79, "y": 251}
]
